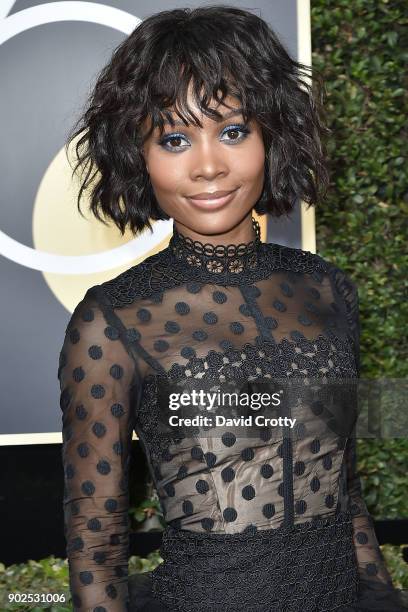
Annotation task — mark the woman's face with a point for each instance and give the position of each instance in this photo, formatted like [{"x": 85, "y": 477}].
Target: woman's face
[{"x": 225, "y": 156}]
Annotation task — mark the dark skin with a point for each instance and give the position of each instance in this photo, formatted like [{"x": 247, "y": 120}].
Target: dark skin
[{"x": 220, "y": 156}]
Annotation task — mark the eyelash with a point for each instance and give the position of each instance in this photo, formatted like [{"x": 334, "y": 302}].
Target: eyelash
[{"x": 236, "y": 127}]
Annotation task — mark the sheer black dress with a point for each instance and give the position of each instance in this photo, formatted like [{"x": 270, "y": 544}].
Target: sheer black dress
[{"x": 258, "y": 520}]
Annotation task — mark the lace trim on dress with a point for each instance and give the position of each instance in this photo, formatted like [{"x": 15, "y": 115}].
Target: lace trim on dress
[
  {"x": 307, "y": 567},
  {"x": 164, "y": 271},
  {"x": 219, "y": 258},
  {"x": 262, "y": 361}
]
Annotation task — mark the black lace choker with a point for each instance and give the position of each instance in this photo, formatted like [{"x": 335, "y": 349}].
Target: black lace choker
[{"x": 220, "y": 258}]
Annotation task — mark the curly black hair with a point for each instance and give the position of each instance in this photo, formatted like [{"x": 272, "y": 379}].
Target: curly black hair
[{"x": 216, "y": 49}]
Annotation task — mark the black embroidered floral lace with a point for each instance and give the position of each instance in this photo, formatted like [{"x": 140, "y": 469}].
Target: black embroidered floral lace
[
  {"x": 309, "y": 566},
  {"x": 232, "y": 258},
  {"x": 268, "y": 520}
]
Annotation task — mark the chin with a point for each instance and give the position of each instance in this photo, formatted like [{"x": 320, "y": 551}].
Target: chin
[{"x": 212, "y": 223}]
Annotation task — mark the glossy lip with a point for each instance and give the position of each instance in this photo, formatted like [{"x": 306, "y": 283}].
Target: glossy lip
[{"x": 204, "y": 202}]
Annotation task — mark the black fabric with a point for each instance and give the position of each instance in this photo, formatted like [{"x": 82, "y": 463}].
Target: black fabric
[
  {"x": 141, "y": 595},
  {"x": 308, "y": 566},
  {"x": 271, "y": 518}
]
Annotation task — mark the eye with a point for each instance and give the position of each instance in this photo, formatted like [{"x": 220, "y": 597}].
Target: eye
[
  {"x": 241, "y": 130},
  {"x": 167, "y": 142}
]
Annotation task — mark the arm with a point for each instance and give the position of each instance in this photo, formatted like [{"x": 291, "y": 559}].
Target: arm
[
  {"x": 96, "y": 377},
  {"x": 375, "y": 580},
  {"x": 377, "y": 591},
  {"x": 372, "y": 569}
]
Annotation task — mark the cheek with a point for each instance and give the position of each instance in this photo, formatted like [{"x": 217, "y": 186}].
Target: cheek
[
  {"x": 166, "y": 173},
  {"x": 250, "y": 164}
]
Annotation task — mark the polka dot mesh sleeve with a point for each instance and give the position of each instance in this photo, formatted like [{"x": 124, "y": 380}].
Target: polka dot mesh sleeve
[
  {"x": 96, "y": 376},
  {"x": 372, "y": 569}
]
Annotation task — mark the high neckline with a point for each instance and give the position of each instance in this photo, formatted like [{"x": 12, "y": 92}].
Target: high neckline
[{"x": 217, "y": 259}]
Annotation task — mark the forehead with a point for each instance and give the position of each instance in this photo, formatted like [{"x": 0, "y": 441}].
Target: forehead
[
  {"x": 229, "y": 102},
  {"x": 226, "y": 113},
  {"x": 189, "y": 112}
]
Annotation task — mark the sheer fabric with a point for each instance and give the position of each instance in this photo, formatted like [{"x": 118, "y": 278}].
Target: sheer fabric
[{"x": 273, "y": 520}]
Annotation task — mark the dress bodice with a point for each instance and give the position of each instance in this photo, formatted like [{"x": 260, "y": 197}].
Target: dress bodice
[{"x": 196, "y": 315}]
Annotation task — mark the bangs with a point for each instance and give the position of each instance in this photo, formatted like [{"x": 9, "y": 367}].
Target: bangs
[{"x": 209, "y": 78}]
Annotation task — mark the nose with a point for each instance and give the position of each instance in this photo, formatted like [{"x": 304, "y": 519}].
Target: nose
[{"x": 208, "y": 162}]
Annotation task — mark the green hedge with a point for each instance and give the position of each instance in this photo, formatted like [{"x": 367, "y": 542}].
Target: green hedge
[{"x": 360, "y": 47}]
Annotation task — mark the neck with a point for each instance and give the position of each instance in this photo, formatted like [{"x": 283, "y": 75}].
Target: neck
[
  {"x": 242, "y": 233},
  {"x": 215, "y": 259}
]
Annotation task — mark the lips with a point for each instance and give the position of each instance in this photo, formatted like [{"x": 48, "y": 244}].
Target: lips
[
  {"x": 211, "y": 201},
  {"x": 210, "y": 195}
]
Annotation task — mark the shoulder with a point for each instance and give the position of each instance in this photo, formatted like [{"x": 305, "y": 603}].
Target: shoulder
[
  {"x": 342, "y": 281},
  {"x": 135, "y": 282},
  {"x": 297, "y": 260},
  {"x": 344, "y": 288}
]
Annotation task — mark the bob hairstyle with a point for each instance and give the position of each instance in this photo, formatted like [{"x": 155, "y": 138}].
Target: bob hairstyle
[{"x": 216, "y": 48}]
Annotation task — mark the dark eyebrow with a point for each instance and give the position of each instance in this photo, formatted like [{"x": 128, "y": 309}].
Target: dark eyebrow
[{"x": 231, "y": 113}]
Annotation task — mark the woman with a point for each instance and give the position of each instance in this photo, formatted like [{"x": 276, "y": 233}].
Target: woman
[{"x": 202, "y": 116}]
